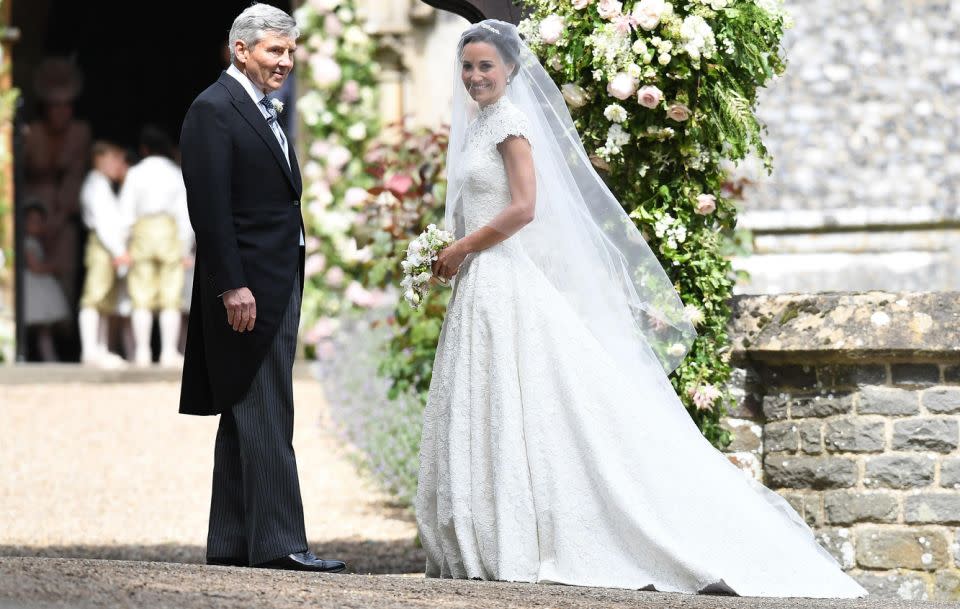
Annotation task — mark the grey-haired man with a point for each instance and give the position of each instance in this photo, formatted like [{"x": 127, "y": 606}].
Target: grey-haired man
[{"x": 243, "y": 195}]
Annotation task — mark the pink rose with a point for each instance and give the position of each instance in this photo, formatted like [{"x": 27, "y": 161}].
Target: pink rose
[
  {"x": 325, "y": 71},
  {"x": 624, "y": 24},
  {"x": 319, "y": 149},
  {"x": 678, "y": 112},
  {"x": 622, "y": 86},
  {"x": 332, "y": 25},
  {"x": 359, "y": 295},
  {"x": 649, "y": 96},
  {"x": 350, "y": 92},
  {"x": 580, "y": 4},
  {"x": 706, "y": 204},
  {"x": 399, "y": 184},
  {"x": 338, "y": 156},
  {"x": 355, "y": 196},
  {"x": 608, "y": 9},
  {"x": 551, "y": 29},
  {"x": 314, "y": 264},
  {"x": 334, "y": 277}
]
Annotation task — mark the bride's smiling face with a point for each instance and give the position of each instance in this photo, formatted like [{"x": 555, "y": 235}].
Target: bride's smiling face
[{"x": 483, "y": 72}]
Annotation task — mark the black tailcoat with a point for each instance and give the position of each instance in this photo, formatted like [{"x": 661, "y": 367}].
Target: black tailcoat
[{"x": 244, "y": 203}]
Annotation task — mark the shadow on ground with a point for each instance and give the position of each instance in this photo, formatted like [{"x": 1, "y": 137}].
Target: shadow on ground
[{"x": 373, "y": 557}]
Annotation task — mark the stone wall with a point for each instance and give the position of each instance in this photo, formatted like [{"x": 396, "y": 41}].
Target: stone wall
[
  {"x": 849, "y": 406},
  {"x": 863, "y": 128}
]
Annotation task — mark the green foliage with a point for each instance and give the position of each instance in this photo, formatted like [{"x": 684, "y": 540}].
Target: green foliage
[
  {"x": 339, "y": 114},
  {"x": 706, "y": 60},
  {"x": 409, "y": 194}
]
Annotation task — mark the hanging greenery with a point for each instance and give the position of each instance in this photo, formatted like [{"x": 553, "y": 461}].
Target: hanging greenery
[
  {"x": 662, "y": 94},
  {"x": 339, "y": 109}
]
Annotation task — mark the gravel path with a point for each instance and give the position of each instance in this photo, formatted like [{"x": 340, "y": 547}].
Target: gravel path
[
  {"x": 112, "y": 471},
  {"x": 91, "y": 471},
  {"x": 81, "y": 584}
]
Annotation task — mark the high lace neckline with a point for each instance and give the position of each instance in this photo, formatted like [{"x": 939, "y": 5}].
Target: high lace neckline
[{"x": 489, "y": 109}]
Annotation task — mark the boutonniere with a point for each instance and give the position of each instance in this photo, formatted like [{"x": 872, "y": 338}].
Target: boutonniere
[{"x": 277, "y": 105}]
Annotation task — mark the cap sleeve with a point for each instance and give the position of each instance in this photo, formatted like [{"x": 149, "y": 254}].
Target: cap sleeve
[{"x": 506, "y": 123}]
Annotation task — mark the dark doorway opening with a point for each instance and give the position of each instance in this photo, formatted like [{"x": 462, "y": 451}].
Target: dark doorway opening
[{"x": 142, "y": 63}]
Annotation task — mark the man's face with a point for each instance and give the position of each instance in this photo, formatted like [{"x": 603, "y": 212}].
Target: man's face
[{"x": 268, "y": 63}]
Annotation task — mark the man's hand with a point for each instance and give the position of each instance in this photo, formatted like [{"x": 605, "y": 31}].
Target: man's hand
[{"x": 241, "y": 309}]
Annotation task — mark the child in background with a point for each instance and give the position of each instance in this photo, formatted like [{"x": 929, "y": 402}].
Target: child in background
[
  {"x": 106, "y": 257},
  {"x": 154, "y": 203},
  {"x": 44, "y": 301}
]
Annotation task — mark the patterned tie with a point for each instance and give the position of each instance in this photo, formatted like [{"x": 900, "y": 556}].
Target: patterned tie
[{"x": 267, "y": 103}]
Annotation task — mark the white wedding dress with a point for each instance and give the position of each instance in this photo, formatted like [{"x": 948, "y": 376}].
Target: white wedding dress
[{"x": 543, "y": 461}]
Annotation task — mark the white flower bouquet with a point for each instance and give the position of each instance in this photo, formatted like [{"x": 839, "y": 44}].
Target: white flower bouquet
[{"x": 418, "y": 265}]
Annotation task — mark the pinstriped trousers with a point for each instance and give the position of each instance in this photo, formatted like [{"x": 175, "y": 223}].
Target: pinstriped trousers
[{"x": 256, "y": 513}]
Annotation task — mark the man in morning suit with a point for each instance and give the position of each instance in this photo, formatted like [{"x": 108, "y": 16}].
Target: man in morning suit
[{"x": 243, "y": 194}]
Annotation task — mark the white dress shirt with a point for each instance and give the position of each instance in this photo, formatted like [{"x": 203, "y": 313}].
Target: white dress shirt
[
  {"x": 101, "y": 212},
  {"x": 256, "y": 95},
  {"x": 155, "y": 186}
]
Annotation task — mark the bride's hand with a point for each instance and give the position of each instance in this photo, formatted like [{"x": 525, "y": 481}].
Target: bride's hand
[{"x": 449, "y": 260}]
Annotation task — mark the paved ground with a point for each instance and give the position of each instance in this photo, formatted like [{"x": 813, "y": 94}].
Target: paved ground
[
  {"x": 100, "y": 470},
  {"x": 92, "y": 470},
  {"x": 82, "y": 584}
]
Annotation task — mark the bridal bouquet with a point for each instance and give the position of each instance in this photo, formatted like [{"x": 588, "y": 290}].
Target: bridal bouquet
[{"x": 418, "y": 265}]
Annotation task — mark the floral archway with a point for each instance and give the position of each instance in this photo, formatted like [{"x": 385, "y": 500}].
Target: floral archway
[{"x": 663, "y": 96}]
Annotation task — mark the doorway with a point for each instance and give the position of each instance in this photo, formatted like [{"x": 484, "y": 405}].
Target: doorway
[{"x": 141, "y": 64}]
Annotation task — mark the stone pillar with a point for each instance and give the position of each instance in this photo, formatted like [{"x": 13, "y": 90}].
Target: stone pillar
[
  {"x": 858, "y": 399},
  {"x": 416, "y": 52}
]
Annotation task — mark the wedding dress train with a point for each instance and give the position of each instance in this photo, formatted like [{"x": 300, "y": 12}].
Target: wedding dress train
[{"x": 543, "y": 461}]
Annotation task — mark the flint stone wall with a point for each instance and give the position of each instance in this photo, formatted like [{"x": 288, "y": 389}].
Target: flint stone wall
[{"x": 849, "y": 406}]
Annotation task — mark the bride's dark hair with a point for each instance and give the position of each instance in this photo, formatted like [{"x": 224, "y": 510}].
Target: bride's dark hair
[{"x": 503, "y": 36}]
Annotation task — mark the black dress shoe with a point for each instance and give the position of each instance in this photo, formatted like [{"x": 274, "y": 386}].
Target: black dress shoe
[
  {"x": 226, "y": 562},
  {"x": 304, "y": 561}
]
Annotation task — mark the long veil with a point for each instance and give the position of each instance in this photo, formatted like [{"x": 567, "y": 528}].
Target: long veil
[{"x": 581, "y": 239}]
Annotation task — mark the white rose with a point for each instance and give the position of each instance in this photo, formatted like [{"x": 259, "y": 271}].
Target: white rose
[
  {"x": 608, "y": 9},
  {"x": 664, "y": 59},
  {"x": 706, "y": 204},
  {"x": 580, "y": 4},
  {"x": 551, "y": 29},
  {"x": 357, "y": 132},
  {"x": 424, "y": 277},
  {"x": 676, "y": 350},
  {"x": 649, "y": 96},
  {"x": 648, "y": 13},
  {"x": 615, "y": 113},
  {"x": 622, "y": 86}
]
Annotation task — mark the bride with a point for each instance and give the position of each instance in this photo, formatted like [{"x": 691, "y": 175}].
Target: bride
[{"x": 554, "y": 448}]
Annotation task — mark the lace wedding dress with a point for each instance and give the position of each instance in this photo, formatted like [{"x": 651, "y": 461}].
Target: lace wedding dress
[{"x": 543, "y": 461}]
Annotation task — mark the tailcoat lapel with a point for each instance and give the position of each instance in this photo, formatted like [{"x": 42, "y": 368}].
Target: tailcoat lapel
[{"x": 249, "y": 111}]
